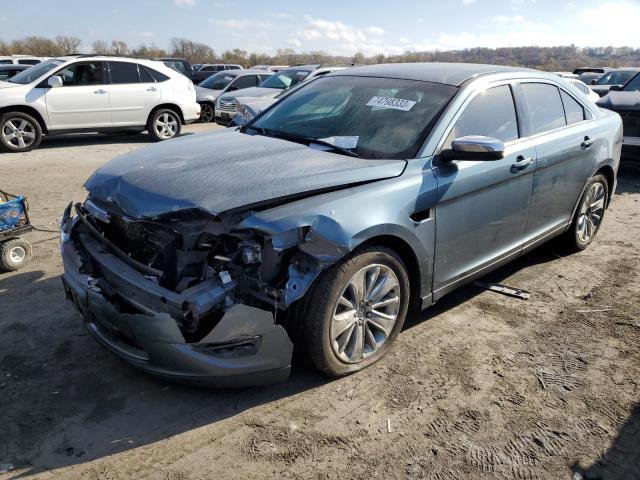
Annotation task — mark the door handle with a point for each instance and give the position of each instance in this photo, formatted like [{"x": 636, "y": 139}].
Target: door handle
[
  {"x": 521, "y": 163},
  {"x": 100, "y": 92},
  {"x": 152, "y": 89},
  {"x": 587, "y": 142}
]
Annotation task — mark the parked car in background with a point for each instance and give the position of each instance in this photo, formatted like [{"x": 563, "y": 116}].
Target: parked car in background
[
  {"x": 249, "y": 107},
  {"x": 589, "y": 77},
  {"x": 625, "y": 101},
  {"x": 323, "y": 219},
  {"x": 226, "y": 106},
  {"x": 206, "y": 70},
  {"x": 271, "y": 68},
  {"x": 10, "y": 70},
  {"x": 566, "y": 74},
  {"x": 617, "y": 77},
  {"x": 181, "y": 65},
  {"x": 21, "y": 60},
  {"x": 581, "y": 70},
  {"x": 584, "y": 88},
  {"x": 94, "y": 93},
  {"x": 208, "y": 91}
]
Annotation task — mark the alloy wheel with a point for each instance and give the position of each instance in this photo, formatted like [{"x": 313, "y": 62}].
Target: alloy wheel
[
  {"x": 591, "y": 212},
  {"x": 19, "y": 133},
  {"x": 365, "y": 313},
  {"x": 206, "y": 113},
  {"x": 166, "y": 125}
]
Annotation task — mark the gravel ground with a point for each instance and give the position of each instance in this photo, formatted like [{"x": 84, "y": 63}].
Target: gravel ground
[{"x": 480, "y": 386}]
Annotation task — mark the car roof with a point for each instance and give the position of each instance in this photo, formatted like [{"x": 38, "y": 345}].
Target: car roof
[
  {"x": 448, "y": 73},
  {"x": 13, "y": 66},
  {"x": 310, "y": 67}
]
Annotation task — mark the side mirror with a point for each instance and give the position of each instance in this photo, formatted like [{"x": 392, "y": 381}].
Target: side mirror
[
  {"x": 55, "y": 81},
  {"x": 616, "y": 88},
  {"x": 475, "y": 148},
  {"x": 593, "y": 82}
]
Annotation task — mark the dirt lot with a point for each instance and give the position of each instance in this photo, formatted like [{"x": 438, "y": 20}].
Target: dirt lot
[{"x": 480, "y": 386}]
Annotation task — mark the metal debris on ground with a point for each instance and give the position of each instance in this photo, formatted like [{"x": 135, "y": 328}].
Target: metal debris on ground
[
  {"x": 503, "y": 289},
  {"x": 6, "y": 467}
]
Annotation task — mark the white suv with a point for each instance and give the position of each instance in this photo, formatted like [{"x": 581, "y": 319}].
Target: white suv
[{"x": 94, "y": 94}]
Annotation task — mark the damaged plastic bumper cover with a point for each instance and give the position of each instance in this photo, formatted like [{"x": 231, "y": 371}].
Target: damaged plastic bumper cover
[{"x": 246, "y": 347}]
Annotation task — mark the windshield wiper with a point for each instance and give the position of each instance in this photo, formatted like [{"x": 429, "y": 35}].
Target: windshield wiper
[
  {"x": 310, "y": 140},
  {"x": 260, "y": 130}
]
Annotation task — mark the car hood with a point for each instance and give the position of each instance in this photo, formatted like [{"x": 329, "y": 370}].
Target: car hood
[
  {"x": 203, "y": 94},
  {"x": 254, "y": 92},
  {"x": 256, "y": 105},
  {"x": 221, "y": 171},
  {"x": 621, "y": 101},
  {"x": 4, "y": 84}
]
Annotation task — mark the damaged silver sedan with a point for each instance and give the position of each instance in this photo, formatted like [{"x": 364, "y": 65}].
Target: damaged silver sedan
[{"x": 321, "y": 221}]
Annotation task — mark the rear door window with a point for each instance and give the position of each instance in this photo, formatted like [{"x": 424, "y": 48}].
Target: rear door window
[
  {"x": 124, "y": 72},
  {"x": 245, "y": 81},
  {"x": 545, "y": 107},
  {"x": 572, "y": 109},
  {"x": 490, "y": 114}
]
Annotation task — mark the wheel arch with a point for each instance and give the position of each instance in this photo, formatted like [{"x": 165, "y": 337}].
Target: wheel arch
[
  {"x": 169, "y": 106},
  {"x": 29, "y": 111},
  {"x": 609, "y": 174}
]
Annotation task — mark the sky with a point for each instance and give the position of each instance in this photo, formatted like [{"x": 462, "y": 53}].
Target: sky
[{"x": 339, "y": 27}]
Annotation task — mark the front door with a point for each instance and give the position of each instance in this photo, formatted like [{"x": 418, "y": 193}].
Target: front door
[
  {"x": 482, "y": 207},
  {"x": 83, "y": 100}
]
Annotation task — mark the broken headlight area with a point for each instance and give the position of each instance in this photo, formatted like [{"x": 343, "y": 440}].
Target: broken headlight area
[{"x": 194, "y": 266}]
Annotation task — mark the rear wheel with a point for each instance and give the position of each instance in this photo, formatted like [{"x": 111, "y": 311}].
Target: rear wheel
[
  {"x": 19, "y": 132},
  {"x": 15, "y": 254},
  {"x": 206, "y": 113},
  {"x": 589, "y": 215},
  {"x": 355, "y": 311},
  {"x": 164, "y": 124}
]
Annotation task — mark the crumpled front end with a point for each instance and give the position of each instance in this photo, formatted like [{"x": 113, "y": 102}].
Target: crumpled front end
[{"x": 173, "y": 297}]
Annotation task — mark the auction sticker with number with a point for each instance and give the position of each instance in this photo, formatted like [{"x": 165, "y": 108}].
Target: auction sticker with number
[{"x": 389, "y": 102}]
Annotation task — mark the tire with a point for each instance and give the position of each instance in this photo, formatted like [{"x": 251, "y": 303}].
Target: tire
[
  {"x": 171, "y": 125},
  {"x": 207, "y": 114},
  {"x": 589, "y": 215},
  {"x": 15, "y": 254},
  {"x": 19, "y": 132},
  {"x": 315, "y": 313}
]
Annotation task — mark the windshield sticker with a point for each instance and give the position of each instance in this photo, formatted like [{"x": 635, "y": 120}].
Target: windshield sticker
[
  {"x": 393, "y": 103},
  {"x": 343, "y": 142}
]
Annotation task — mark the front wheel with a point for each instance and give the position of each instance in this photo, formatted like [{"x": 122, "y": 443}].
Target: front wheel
[
  {"x": 164, "y": 124},
  {"x": 19, "y": 132},
  {"x": 589, "y": 215},
  {"x": 355, "y": 311}
]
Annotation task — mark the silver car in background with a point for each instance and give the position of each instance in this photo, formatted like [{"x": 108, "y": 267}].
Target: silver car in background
[
  {"x": 208, "y": 91},
  {"x": 226, "y": 106}
]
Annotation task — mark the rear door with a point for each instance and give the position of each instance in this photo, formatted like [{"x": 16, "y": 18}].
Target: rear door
[
  {"x": 482, "y": 211},
  {"x": 83, "y": 100},
  {"x": 133, "y": 94},
  {"x": 566, "y": 142}
]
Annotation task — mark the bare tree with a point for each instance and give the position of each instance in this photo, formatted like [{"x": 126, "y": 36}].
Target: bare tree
[
  {"x": 193, "y": 51},
  {"x": 68, "y": 44},
  {"x": 380, "y": 58},
  {"x": 149, "y": 51},
  {"x": 118, "y": 47},
  {"x": 358, "y": 58},
  {"x": 100, "y": 46}
]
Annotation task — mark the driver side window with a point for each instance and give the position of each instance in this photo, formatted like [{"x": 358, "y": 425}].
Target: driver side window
[
  {"x": 80, "y": 74},
  {"x": 491, "y": 114}
]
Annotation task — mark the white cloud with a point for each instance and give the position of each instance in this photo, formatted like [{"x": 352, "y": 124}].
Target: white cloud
[
  {"x": 183, "y": 3},
  {"x": 241, "y": 23},
  {"x": 294, "y": 42},
  {"x": 505, "y": 19},
  {"x": 283, "y": 15},
  {"x": 468, "y": 2},
  {"x": 374, "y": 30}
]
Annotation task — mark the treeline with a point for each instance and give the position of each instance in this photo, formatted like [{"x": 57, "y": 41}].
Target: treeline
[{"x": 544, "y": 58}]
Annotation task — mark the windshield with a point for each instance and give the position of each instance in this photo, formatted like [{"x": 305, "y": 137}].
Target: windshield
[
  {"x": 285, "y": 79},
  {"x": 633, "y": 85},
  {"x": 217, "y": 81},
  {"x": 35, "y": 72},
  {"x": 371, "y": 117},
  {"x": 615, "y": 78}
]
